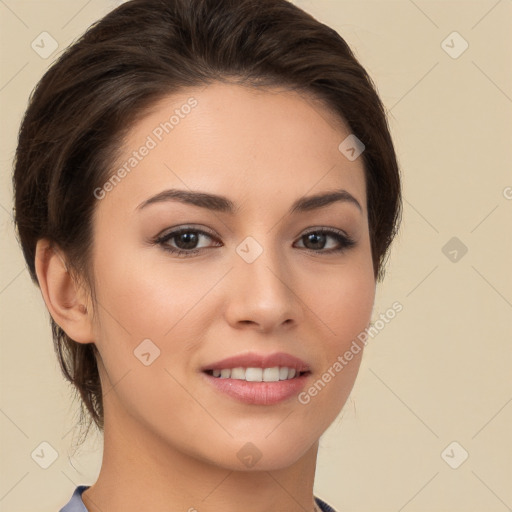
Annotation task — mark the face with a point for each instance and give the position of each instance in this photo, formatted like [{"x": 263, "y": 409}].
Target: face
[{"x": 247, "y": 276}]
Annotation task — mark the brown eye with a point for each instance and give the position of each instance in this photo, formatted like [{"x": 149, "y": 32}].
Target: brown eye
[
  {"x": 317, "y": 240},
  {"x": 184, "y": 241}
]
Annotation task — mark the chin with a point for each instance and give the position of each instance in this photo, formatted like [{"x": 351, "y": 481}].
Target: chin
[{"x": 249, "y": 453}]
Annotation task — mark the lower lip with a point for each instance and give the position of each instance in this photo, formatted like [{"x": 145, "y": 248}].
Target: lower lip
[{"x": 259, "y": 393}]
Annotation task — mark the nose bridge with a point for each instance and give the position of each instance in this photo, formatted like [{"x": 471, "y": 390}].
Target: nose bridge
[
  {"x": 263, "y": 291},
  {"x": 261, "y": 262}
]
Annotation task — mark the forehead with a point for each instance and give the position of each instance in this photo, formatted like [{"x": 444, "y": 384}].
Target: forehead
[{"x": 251, "y": 144}]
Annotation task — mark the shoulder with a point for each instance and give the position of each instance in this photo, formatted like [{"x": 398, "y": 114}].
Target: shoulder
[
  {"x": 75, "y": 504},
  {"x": 324, "y": 507}
]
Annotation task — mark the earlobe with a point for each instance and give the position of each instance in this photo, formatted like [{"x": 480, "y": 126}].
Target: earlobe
[{"x": 65, "y": 299}]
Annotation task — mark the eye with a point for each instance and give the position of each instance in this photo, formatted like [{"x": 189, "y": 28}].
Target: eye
[
  {"x": 317, "y": 240},
  {"x": 183, "y": 242},
  {"x": 186, "y": 240}
]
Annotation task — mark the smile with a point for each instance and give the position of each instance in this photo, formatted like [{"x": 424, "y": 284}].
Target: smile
[{"x": 273, "y": 374}]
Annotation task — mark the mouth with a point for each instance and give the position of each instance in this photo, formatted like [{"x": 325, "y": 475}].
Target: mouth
[
  {"x": 253, "y": 374},
  {"x": 258, "y": 386},
  {"x": 258, "y": 379}
]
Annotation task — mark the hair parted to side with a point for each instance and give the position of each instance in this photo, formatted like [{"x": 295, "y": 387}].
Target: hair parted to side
[{"x": 141, "y": 52}]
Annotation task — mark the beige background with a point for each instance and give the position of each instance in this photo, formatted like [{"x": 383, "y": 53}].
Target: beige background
[{"x": 438, "y": 373}]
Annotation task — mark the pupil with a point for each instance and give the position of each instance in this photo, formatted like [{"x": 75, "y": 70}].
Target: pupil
[
  {"x": 316, "y": 238},
  {"x": 190, "y": 240}
]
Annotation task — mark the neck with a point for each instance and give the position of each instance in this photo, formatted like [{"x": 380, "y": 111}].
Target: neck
[{"x": 142, "y": 472}]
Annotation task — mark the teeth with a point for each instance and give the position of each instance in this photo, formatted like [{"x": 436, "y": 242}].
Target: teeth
[
  {"x": 256, "y": 374},
  {"x": 271, "y": 374},
  {"x": 238, "y": 373}
]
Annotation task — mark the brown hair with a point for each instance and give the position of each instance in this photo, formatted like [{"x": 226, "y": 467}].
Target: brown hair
[{"x": 139, "y": 53}]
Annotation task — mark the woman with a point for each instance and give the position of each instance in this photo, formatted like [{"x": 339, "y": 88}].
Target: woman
[{"x": 205, "y": 193}]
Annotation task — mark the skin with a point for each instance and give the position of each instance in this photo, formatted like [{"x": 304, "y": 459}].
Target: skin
[{"x": 170, "y": 439}]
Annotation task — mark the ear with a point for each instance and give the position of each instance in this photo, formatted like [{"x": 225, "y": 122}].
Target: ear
[{"x": 66, "y": 301}]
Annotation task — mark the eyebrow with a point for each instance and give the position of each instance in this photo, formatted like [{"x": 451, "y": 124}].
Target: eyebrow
[{"x": 224, "y": 205}]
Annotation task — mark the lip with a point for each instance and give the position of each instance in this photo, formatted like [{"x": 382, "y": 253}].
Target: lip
[
  {"x": 255, "y": 360},
  {"x": 259, "y": 393}
]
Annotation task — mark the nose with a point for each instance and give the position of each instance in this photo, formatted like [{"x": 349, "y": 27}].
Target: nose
[{"x": 261, "y": 293}]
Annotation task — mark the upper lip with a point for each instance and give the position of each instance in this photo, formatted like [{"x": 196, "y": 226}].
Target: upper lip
[{"x": 255, "y": 360}]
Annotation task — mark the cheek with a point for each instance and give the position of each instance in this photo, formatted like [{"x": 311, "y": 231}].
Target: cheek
[
  {"x": 342, "y": 302},
  {"x": 138, "y": 302},
  {"x": 146, "y": 300},
  {"x": 342, "y": 305},
  {"x": 350, "y": 306}
]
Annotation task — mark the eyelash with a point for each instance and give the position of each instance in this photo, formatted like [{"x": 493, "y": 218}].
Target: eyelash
[{"x": 344, "y": 240}]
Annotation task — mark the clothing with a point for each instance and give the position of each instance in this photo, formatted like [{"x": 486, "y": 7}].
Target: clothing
[
  {"x": 323, "y": 506},
  {"x": 76, "y": 504}
]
